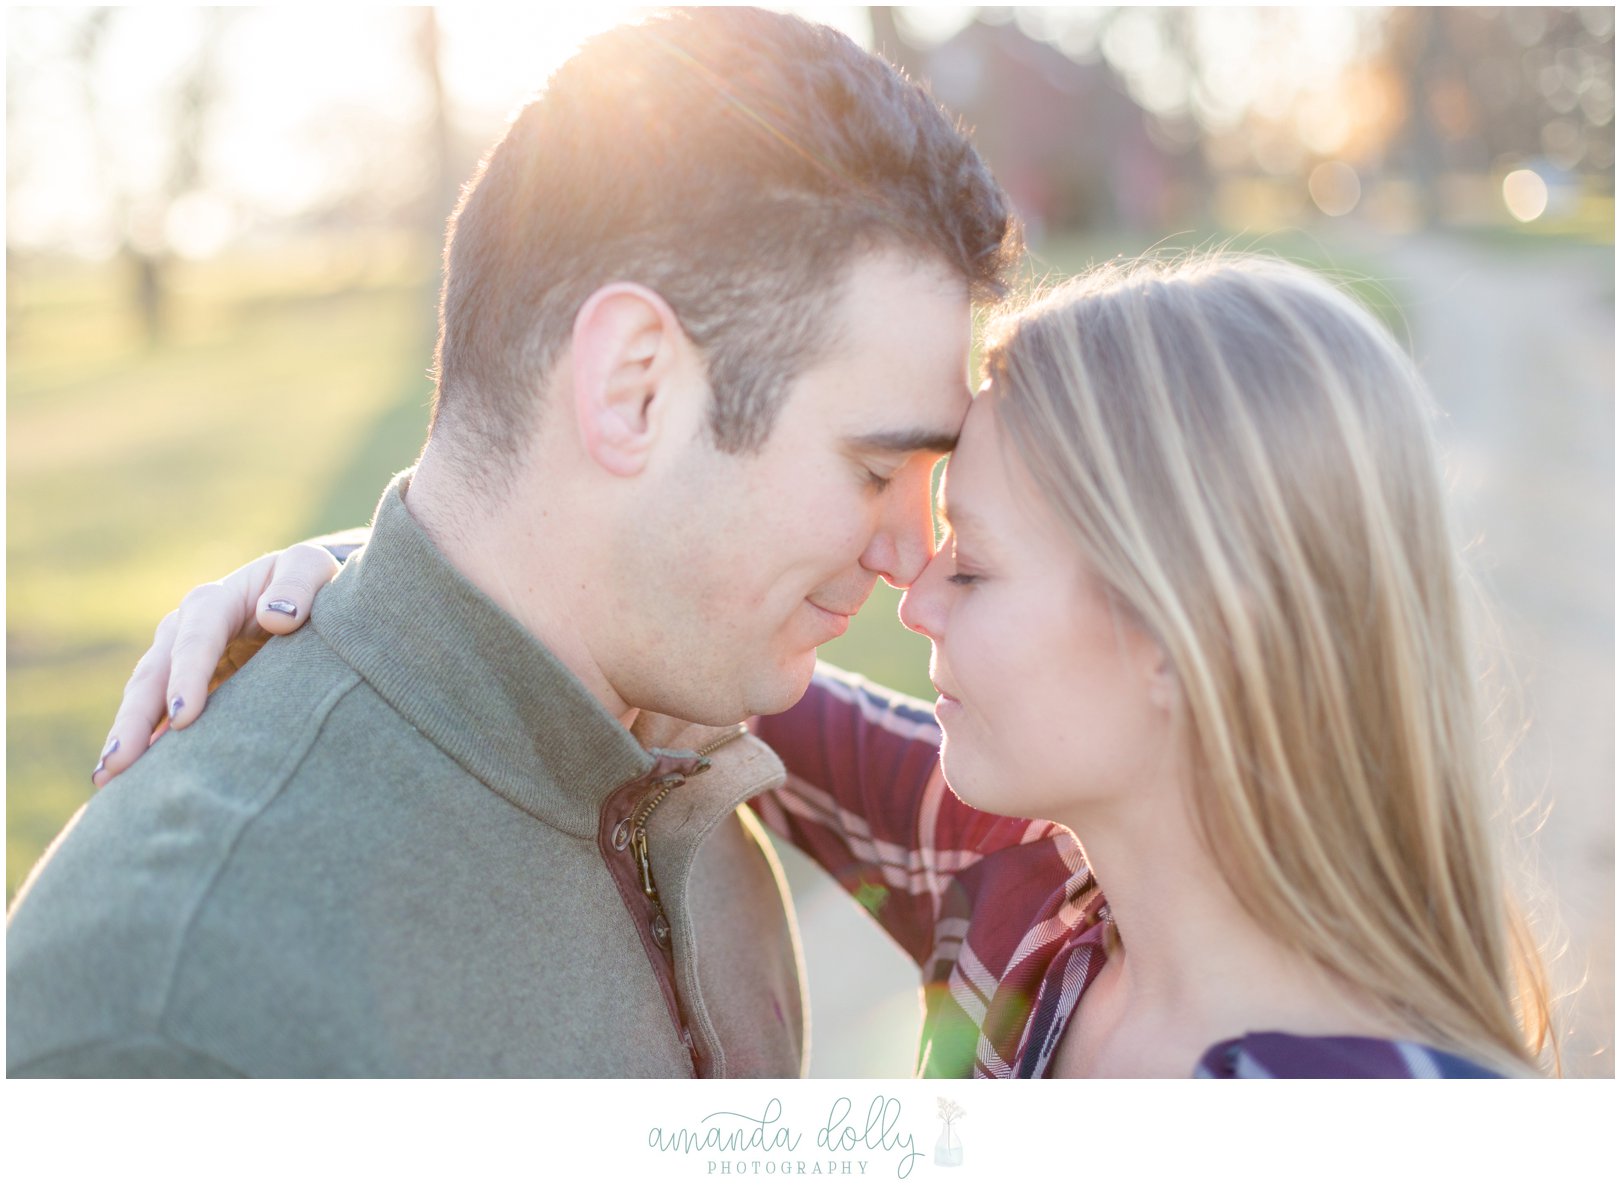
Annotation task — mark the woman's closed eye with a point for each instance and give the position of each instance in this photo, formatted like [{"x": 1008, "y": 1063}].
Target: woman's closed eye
[{"x": 964, "y": 571}]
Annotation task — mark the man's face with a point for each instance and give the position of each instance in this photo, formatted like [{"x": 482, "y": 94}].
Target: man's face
[{"x": 765, "y": 556}]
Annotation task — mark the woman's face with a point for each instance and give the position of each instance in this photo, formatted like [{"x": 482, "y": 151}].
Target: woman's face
[{"x": 1050, "y": 697}]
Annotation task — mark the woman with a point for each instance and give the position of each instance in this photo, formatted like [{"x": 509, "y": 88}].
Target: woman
[{"x": 1198, "y": 604}]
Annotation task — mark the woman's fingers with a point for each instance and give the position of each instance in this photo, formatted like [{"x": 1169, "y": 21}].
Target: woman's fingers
[
  {"x": 300, "y": 570},
  {"x": 172, "y": 676},
  {"x": 217, "y": 629},
  {"x": 142, "y": 707},
  {"x": 208, "y": 619}
]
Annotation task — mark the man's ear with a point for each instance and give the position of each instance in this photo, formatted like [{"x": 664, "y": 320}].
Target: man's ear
[{"x": 626, "y": 350}]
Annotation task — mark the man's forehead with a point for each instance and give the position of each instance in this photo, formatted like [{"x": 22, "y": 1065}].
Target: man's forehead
[{"x": 899, "y": 314}]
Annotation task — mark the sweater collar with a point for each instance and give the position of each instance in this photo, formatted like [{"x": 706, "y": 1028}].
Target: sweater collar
[{"x": 471, "y": 678}]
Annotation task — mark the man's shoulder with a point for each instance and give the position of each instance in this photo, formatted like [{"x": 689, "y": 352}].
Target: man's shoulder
[
  {"x": 135, "y": 1054},
  {"x": 297, "y": 717},
  {"x": 193, "y": 869},
  {"x": 92, "y": 938}
]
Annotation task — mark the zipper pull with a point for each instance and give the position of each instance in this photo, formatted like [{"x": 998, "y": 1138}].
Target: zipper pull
[
  {"x": 659, "y": 924},
  {"x": 638, "y": 843}
]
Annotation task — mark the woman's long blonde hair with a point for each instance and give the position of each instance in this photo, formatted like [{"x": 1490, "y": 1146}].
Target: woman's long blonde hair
[{"x": 1244, "y": 455}]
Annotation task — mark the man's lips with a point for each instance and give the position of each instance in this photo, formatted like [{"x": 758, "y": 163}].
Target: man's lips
[
  {"x": 834, "y": 611},
  {"x": 836, "y": 621}
]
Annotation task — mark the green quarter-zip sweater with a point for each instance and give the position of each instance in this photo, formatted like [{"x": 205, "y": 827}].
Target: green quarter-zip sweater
[{"x": 409, "y": 843}]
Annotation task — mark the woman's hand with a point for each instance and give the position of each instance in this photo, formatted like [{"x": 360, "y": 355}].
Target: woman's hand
[{"x": 213, "y": 633}]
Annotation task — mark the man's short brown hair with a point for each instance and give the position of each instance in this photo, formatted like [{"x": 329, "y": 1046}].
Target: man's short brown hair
[{"x": 735, "y": 161}]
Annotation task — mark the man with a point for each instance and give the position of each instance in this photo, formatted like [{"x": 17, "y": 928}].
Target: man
[{"x": 703, "y": 335}]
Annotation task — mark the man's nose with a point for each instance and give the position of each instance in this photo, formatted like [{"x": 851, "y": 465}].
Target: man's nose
[{"x": 904, "y": 540}]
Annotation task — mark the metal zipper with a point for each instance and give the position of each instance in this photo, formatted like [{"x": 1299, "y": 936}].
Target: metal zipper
[
  {"x": 632, "y": 831},
  {"x": 652, "y": 926},
  {"x": 719, "y": 742}
]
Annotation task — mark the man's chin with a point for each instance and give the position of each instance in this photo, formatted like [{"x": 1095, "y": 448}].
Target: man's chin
[
  {"x": 764, "y": 694},
  {"x": 784, "y": 688}
]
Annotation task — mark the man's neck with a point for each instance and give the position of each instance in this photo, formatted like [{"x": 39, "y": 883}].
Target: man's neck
[{"x": 489, "y": 547}]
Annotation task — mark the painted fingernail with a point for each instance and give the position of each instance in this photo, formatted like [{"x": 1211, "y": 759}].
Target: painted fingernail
[
  {"x": 176, "y": 706},
  {"x": 282, "y": 606},
  {"x": 101, "y": 764}
]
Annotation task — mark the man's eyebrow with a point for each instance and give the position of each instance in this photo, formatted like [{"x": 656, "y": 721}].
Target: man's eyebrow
[{"x": 906, "y": 441}]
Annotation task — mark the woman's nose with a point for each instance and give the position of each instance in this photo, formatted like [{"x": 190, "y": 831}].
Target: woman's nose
[{"x": 921, "y": 605}]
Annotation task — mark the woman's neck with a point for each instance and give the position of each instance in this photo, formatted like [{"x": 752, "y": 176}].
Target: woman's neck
[{"x": 1193, "y": 967}]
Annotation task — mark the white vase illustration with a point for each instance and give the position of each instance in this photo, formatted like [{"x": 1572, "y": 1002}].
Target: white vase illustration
[{"x": 948, "y": 1148}]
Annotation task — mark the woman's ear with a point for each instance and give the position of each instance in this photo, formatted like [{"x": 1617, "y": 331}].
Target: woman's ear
[
  {"x": 1163, "y": 688},
  {"x": 625, "y": 350}
]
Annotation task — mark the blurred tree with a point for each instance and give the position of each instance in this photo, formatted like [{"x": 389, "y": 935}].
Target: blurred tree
[
  {"x": 17, "y": 167},
  {"x": 440, "y": 194},
  {"x": 1420, "y": 53},
  {"x": 147, "y": 213},
  {"x": 1488, "y": 85}
]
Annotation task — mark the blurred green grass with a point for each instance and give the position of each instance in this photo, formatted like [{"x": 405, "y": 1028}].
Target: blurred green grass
[
  {"x": 285, "y": 394},
  {"x": 289, "y": 389}
]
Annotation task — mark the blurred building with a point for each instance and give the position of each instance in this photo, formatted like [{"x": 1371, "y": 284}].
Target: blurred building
[{"x": 1073, "y": 149}]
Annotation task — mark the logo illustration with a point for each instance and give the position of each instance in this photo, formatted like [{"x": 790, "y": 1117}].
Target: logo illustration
[{"x": 948, "y": 1148}]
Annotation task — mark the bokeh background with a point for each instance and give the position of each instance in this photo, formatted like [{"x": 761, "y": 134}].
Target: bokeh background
[{"x": 222, "y": 239}]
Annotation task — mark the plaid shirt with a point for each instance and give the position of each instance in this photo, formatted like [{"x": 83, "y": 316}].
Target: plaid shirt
[{"x": 1001, "y": 914}]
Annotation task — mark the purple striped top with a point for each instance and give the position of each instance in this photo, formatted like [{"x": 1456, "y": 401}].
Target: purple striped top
[{"x": 1284, "y": 1055}]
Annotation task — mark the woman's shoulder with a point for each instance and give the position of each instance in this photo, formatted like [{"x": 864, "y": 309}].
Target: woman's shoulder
[{"x": 1287, "y": 1055}]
